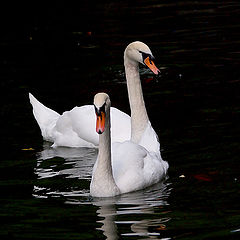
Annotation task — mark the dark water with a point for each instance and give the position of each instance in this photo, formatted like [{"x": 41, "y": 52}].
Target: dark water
[{"x": 64, "y": 53}]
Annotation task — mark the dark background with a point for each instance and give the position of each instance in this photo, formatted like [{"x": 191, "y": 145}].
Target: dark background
[{"x": 63, "y": 52}]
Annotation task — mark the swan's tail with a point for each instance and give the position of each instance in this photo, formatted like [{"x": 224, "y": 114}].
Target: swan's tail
[{"x": 46, "y": 118}]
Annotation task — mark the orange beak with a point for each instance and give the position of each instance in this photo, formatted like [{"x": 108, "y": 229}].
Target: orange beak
[
  {"x": 100, "y": 125},
  {"x": 151, "y": 65}
]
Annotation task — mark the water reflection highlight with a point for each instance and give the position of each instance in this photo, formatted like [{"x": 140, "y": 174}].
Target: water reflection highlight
[{"x": 65, "y": 173}]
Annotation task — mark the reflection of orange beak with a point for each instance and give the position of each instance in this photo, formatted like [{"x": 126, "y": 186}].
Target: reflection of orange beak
[
  {"x": 100, "y": 126},
  {"x": 151, "y": 65}
]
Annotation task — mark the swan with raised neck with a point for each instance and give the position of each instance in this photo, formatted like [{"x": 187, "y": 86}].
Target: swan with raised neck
[
  {"x": 121, "y": 167},
  {"x": 75, "y": 128},
  {"x": 135, "y": 53},
  {"x": 102, "y": 183}
]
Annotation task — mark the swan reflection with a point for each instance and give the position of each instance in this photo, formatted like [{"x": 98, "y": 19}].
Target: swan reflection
[
  {"x": 77, "y": 162},
  {"x": 133, "y": 213},
  {"x": 131, "y": 207}
]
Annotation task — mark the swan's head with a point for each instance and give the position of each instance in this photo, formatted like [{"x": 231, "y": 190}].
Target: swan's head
[
  {"x": 102, "y": 105},
  {"x": 139, "y": 52}
]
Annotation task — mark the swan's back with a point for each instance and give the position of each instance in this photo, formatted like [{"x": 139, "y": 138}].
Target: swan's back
[
  {"x": 135, "y": 168},
  {"x": 77, "y": 127}
]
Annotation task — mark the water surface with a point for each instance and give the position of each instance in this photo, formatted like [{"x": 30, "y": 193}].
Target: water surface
[{"x": 64, "y": 54}]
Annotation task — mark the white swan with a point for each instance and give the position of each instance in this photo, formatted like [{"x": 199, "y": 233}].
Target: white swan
[
  {"x": 75, "y": 128},
  {"x": 129, "y": 167}
]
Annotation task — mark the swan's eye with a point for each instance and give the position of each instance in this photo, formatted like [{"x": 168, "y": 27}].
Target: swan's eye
[
  {"x": 147, "y": 55},
  {"x": 100, "y": 110}
]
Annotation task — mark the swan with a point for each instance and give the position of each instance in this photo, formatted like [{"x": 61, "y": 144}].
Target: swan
[
  {"x": 121, "y": 167},
  {"x": 75, "y": 128}
]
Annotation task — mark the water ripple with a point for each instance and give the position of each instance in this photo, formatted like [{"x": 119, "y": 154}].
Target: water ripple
[{"x": 65, "y": 173}]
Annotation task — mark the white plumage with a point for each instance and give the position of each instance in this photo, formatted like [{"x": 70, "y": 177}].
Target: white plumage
[
  {"x": 123, "y": 167},
  {"x": 76, "y": 128}
]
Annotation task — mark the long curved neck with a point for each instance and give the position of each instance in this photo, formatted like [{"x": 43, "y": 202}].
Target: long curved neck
[
  {"x": 139, "y": 117},
  {"x": 104, "y": 154},
  {"x": 103, "y": 183}
]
